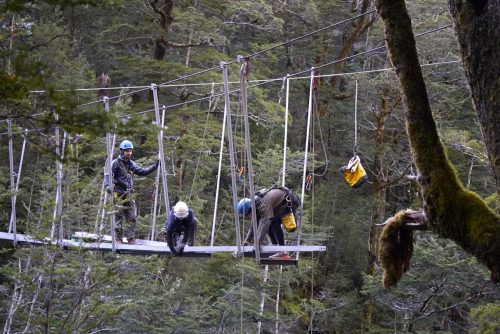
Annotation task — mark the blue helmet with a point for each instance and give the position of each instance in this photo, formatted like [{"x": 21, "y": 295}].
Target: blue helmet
[
  {"x": 126, "y": 145},
  {"x": 244, "y": 206}
]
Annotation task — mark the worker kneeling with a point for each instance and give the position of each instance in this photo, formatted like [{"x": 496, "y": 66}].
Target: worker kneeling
[
  {"x": 275, "y": 206},
  {"x": 180, "y": 228}
]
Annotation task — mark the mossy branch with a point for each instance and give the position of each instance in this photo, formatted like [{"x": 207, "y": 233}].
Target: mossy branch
[{"x": 452, "y": 211}]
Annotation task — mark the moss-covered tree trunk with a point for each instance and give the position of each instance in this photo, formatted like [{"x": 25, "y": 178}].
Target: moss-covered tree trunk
[
  {"x": 477, "y": 24},
  {"x": 452, "y": 211},
  {"x": 379, "y": 204}
]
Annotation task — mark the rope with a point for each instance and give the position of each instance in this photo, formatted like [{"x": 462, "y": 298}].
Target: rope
[
  {"x": 159, "y": 172},
  {"x": 309, "y": 112},
  {"x": 355, "y": 148},
  {"x": 14, "y": 196},
  {"x": 292, "y": 76},
  {"x": 311, "y": 298},
  {"x": 260, "y": 83},
  {"x": 221, "y": 151},
  {"x": 12, "y": 225},
  {"x": 295, "y": 74},
  {"x": 231, "y": 156},
  {"x": 143, "y": 88},
  {"x": 285, "y": 137},
  {"x": 202, "y": 140},
  {"x": 311, "y": 175}
]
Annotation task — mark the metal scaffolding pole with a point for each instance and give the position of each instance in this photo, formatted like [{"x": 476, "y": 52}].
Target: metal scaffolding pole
[
  {"x": 221, "y": 153},
  {"x": 109, "y": 148},
  {"x": 12, "y": 186},
  {"x": 57, "y": 214},
  {"x": 248, "y": 144},
  {"x": 231, "y": 155},
  {"x": 160, "y": 125},
  {"x": 309, "y": 113}
]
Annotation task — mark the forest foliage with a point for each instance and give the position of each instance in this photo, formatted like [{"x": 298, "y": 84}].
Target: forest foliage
[{"x": 60, "y": 47}]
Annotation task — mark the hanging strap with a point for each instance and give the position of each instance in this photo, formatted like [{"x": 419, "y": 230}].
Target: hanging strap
[
  {"x": 306, "y": 152},
  {"x": 285, "y": 139},
  {"x": 355, "y": 148}
]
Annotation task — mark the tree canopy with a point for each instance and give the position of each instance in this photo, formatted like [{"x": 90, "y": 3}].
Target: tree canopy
[{"x": 410, "y": 87}]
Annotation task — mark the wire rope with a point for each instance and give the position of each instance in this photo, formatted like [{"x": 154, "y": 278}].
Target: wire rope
[
  {"x": 165, "y": 84},
  {"x": 294, "y": 76},
  {"x": 210, "y": 101}
]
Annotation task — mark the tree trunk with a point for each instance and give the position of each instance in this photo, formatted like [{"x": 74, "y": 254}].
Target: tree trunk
[
  {"x": 477, "y": 26},
  {"x": 452, "y": 211},
  {"x": 378, "y": 207}
]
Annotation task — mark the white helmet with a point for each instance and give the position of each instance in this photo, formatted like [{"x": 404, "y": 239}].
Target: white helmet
[{"x": 181, "y": 210}]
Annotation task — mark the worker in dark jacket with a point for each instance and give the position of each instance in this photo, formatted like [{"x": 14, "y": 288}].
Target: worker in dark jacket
[
  {"x": 180, "y": 219},
  {"x": 123, "y": 169}
]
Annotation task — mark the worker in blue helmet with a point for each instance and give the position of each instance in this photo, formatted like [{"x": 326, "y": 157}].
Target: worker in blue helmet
[
  {"x": 275, "y": 231},
  {"x": 272, "y": 204},
  {"x": 123, "y": 169}
]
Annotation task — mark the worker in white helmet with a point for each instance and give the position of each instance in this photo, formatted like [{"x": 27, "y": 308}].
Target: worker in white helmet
[{"x": 180, "y": 219}]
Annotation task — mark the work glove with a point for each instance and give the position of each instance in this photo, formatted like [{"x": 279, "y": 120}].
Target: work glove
[
  {"x": 180, "y": 248},
  {"x": 108, "y": 190},
  {"x": 163, "y": 231}
]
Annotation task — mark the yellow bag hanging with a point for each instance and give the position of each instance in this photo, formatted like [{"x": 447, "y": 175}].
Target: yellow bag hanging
[
  {"x": 288, "y": 222},
  {"x": 354, "y": 173}
]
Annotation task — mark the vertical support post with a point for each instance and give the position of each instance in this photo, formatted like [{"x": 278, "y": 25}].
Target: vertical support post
[
  {"x": 304, "y": 172},
  {"x": 100, "y": 208},
  {"x": 212, "y": 237},
  {"x": 13, "y": 226},
  {"x": 105, "y": 199},
  {"x": 276, "y": 310},
  {"x": 155, "y": 204},
  {"x": 262, "y": 298},
  {"x": 57, "y": 207},
  {"x": 13, "y": 214},
  {"x": 162, "y": 169},
  {"x": 285, "y": 144},
  {"x": 159, "y": 124},
  {"x": 285, "y": 139},
  {"x": 109, "y": 167},
  {"x": 248, "y": 144},
  {"x": 231, "y": 155}
]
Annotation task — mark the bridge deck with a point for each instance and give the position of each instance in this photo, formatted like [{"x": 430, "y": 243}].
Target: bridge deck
[{"x": 142, "y": 247}]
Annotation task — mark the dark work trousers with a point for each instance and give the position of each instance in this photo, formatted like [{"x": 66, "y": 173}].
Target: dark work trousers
[
  {"x": 275, "y": 233},
  {"x": 126, "y": 211}
]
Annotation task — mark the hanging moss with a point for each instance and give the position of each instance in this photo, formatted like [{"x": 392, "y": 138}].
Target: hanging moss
[{"x": 395, "y": 249}]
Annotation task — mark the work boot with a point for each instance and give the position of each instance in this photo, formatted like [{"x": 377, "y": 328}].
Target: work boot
[
  {"x": 119, "y": 241},
  {"x": 131, "y": 241},
  {"x": 280, "y": 255}
]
